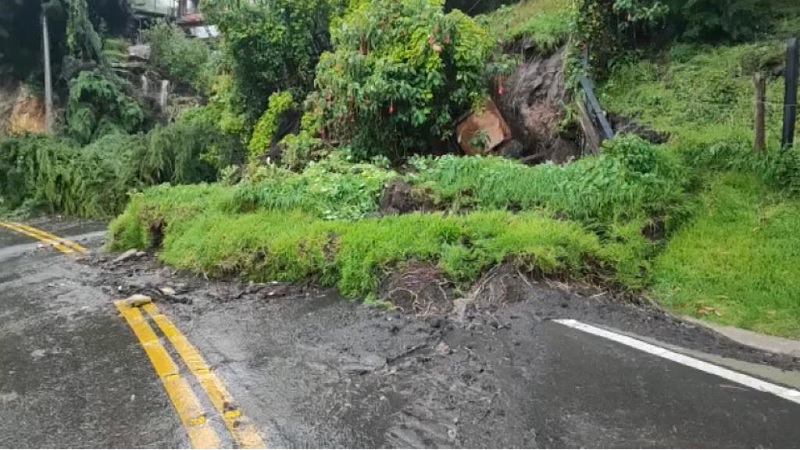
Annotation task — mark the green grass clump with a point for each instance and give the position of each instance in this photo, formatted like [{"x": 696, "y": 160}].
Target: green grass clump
[
  {"x": 701, "y": 96},
  {"x": 582, "y": 220},
  {"x": 736, "y": 263},
  {"x": 545, "y": 23},
  {"x": 330, "y": 189},
  {"x": 353, "y": 256},
  {"x": 631, "y": 179}
]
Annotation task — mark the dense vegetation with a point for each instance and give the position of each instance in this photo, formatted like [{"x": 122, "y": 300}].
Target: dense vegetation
[{"x": 312, "y": 108}]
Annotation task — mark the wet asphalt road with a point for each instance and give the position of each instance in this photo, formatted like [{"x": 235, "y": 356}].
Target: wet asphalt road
[
  {"x": 317, "y": 371},
  {"x": 71, "y": 373}
]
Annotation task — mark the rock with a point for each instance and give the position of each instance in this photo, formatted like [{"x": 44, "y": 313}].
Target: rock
[
  {"x": 139, "y": 53},
  {"x": 443, "y": 349},
  {"x": 167, "y": 291},
  {"x": 137, "y": 300},
  {"x": 481, "y": 132},
  {"x": 130, "y": 254}
]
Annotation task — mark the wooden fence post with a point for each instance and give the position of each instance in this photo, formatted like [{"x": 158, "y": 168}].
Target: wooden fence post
[
  {"x": 760, "y": 121},
  {"x": 790, "y": 99}
]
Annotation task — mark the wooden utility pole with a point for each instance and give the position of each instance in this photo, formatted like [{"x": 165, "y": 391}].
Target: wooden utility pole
[
  {"x": 790, "y": 100},
  {"x": 48, "y": 75},
  {"x": 760, "y": 123}
]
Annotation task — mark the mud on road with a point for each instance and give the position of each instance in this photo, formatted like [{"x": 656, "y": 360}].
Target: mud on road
[{"x": 316, "y": 370}]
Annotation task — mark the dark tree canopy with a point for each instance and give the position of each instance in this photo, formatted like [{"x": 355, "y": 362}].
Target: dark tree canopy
[{"x": 21, "y": 39}]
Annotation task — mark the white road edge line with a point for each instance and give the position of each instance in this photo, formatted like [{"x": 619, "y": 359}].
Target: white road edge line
[{"x": 745, "y": 380}]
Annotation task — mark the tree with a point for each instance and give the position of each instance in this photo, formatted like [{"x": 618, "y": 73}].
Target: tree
[
  {"x": 274, "y": 44},
  {"x": 400, "y": 74}
]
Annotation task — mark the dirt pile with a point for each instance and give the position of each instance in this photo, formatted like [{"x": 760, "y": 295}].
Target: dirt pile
[
  {"x": 401, "y": 197},
  {"x": 533, "y": 105}
]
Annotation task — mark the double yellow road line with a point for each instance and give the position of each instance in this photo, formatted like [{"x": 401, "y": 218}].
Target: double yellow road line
[
  {"x": 183, "y": 398},
  {"x": 188, "y": 406},
  {"x": 60, "y": 244}
]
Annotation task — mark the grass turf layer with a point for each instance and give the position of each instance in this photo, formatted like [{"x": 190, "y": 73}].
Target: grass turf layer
[
  {"x": 737, "y": 262},
  {"x": 353, "y": 256}
]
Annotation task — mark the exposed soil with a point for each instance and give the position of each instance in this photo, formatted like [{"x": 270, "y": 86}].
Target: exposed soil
[
  {"x": 440, "y": 371},
  {"x": 401, "y": 197},
  {"x": 533, "y": 104},
  {"x": 421, "y": 292}
]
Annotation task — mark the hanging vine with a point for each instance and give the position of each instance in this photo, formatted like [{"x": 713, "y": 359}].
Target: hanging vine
[{"x": 83, "y": 41}]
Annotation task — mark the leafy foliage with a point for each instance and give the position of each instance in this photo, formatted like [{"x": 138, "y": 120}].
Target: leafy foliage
[
  {"x": 606, "y": 27},
  {"x": 631, "y": 179},
  {"x": 98, "y": 105},
  {"x": 274, "y": 44},
  {"x": 330, "y": 189},
  {"x": 94, "y": 181},
  {"x": 266, "y": 127},
  {"x": 181, "y": 58},
  {"x": 401, "y": 73},
  {"x": 83, "y": 41}
]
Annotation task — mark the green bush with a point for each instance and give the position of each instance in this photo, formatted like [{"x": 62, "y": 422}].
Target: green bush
[
  {"x": 59, "y": 175},
  {"x": 274, "y": 45},
  {"x": 329, "y": 190},
  {"x": 266, "y": 127},
  {"x": 608, "y": 27},
  {"x": 99, "y": 104},
  {"x": 177, "y": 56},
  {"x": 401, "y": 72},
  {"x": 94, "y": 181}
]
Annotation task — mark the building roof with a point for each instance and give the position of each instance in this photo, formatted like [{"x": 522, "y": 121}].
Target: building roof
[{"x": 154, "y": 7}]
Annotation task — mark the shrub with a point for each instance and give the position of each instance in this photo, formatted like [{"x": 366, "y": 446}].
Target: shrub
[
  {"x": 266, "y": 127},
  {"x": 99, "y": 104},
  {"x": 400, "y": 74},
  {"x": 330, "y": 189},
  {"x": 274, "y": 44},
  {"x": 606, "y": 27},
  {"x": 178, "y": 56},
  {"x": 94, "y": 181}
]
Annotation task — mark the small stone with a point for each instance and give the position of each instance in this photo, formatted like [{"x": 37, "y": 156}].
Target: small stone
[
  {"x": 130, "y": 254},
  {"x": 451, "y": 433},
  {"x": 167, "y": 290},
  {"x": 141, "y": 254},
  {"x": 135, "y": 301},
  {"x": 442, "y": 348}
]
